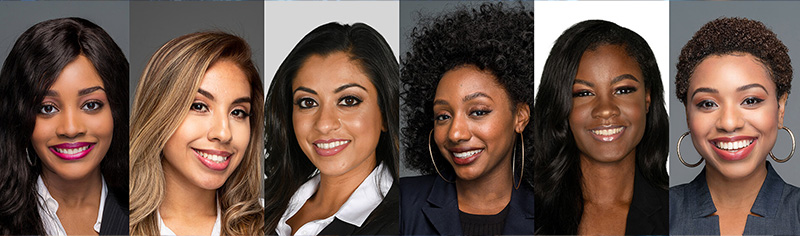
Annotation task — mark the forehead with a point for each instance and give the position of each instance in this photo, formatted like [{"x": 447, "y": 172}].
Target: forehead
[
  {"x": 469, "y": 79},
  {"x": 78, "y": 74},
  {"x": 328, "y": 72},
  {"x": 730, "y": 71},
  {"x": 606, "y": 62},
  {"x": 225, "y": 77}
]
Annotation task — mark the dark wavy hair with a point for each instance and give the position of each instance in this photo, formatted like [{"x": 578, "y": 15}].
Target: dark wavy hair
[
  {"x": 492, "y": 37},
  {"x": 557, "y": 175},
  {"x": 286, "y": 166},
  {"x": 735, "y": 35},
  {"x": 32, "y": 66}
]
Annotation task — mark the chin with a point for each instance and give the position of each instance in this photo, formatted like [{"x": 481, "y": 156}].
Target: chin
[{"x": 210, "y": 183}]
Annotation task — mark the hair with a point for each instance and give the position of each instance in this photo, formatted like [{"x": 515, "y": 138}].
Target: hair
[
  {"x": 557, "y": 176},
  {"x": 492, "y": 37},
  {"x": 725, "y": 36},
  {"x": 32, "y": 66},
  {"x": 165, "y": 91},
  {"x": 287, "y": 167}
]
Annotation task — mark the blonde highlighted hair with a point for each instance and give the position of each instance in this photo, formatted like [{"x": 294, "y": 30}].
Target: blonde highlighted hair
[{"x": 163, "y": 96}]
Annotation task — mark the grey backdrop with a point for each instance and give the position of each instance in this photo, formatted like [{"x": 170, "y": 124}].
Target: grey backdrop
[
  {"x": 155, "y": 23},
  {"x": 16, "y": 17},
  {"x": 685, "y": 19}
]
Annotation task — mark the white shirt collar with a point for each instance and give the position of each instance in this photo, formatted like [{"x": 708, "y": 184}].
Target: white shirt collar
[
  {"x": 48, "y": 206},
  {"x": 355, "y": 210},
  {"x": 216, "y": 230}
]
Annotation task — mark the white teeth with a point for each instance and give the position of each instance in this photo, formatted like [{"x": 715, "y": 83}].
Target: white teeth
[
  {"x": 462, "y": 155},
  {"x": 72, "y": 150},
  {"x": 212, "y": 157},
  {"x": 331, "y": 144},
  {"x": 735, "y": 145},
  {"x": 607, "y": 132}
]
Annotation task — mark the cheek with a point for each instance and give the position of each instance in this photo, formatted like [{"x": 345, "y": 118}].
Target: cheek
[
  {"x": 241, "y": 135},
  {"x": 178, "y": 143},
  {"x": 577, "y": 116},
  {"x": 102, "y": 125},
  {"x": 43, "y": 130},
  {"x": 301, "y": 122}
]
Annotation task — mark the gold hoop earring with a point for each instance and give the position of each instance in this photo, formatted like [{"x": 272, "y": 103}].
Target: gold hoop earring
[
  {"x": 522, "y": 166},
  {"x": 679, "y": 153},
  {"x": 790, "y": 153},
  {"x": 430, "y": 151}
]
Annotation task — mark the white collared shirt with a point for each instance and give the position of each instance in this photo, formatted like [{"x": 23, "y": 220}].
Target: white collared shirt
[
  {"x": 354, "y": 211},
  {"x": 215, "y": 230},
  {"x": 48, "y": 206}
]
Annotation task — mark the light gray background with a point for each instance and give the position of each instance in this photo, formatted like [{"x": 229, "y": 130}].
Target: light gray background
[
  {"x": 410, "y": 12},
  {"x": 16, "y": 17},
  {"x": 685, "y": 19},
  {"x": 155, "y": 23}
]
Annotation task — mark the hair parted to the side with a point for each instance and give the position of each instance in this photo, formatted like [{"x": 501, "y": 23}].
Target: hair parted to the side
[
  {"x": 492, "y": 37},
  {"x": 735, "y": 35},
  {"x": 32, "y": 66},
  {"x": 163, "y": 96},
  {"x": 557, "y": 173},
  {"x": 287, "y": 167}
]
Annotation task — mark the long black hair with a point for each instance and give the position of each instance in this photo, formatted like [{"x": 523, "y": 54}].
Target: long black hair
[
  {"x": 286, "y": 166},
  {"x": 32, "y": 66},
  {"x": 557, "y": 173}
]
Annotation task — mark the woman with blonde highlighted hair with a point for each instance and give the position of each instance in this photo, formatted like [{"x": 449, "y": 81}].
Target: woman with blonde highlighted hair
[{"x": 195, "y": 143}]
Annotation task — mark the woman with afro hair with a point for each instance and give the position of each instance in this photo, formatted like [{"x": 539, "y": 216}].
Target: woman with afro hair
[
  {"x": 734, "y": 77},
  {"x": 467, "y": 87}
]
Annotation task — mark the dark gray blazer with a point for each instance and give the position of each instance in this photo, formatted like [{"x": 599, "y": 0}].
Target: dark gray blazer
[{"x": 115, "y": 218}]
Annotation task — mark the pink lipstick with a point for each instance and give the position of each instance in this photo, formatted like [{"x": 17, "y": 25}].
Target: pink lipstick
[
  {"x": 213, "y": 159},
  {"x": 72, "y": 151},
  {"x": 733, "y": 148},
  {"x": 465, "y": 156},
  {"x": 330, "y": 147}
]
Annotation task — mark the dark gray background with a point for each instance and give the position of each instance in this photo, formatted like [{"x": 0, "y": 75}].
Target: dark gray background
[
  {"x": 155, "y": 23},
  {"x": 685, "y": 19},
  {"x": 16, "y": 17}
]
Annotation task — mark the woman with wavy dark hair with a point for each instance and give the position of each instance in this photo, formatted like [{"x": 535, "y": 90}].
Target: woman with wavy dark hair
[
  {"x": 601, "y": 136},
  {"x": 64, "y": 148},
  {"x": 468, "y": 91},
  {"x": 332, "y": 136}
]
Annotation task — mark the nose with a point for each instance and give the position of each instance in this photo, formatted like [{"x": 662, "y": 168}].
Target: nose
[
  {"x": 730, "y": 119},
  {"x": 605, "y": 108},
  {"x": 459, "y": 130},
  {"x": 327, "y": 119},
  {"x": 220, "y": 129},
  {"x": 71, "y": 125}
]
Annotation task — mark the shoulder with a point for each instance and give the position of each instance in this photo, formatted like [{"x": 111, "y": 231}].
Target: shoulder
[
  {"x": 415, "y": 190},
  {"x": 384, "y": 220},
  {"x": 791, "y": 195},
  {"x": 677, "y": 194}
]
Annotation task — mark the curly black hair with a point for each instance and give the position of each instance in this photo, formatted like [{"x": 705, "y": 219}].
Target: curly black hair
[
  {"x": 735, "y": 35},
  {"x": 492, "y": 37}
]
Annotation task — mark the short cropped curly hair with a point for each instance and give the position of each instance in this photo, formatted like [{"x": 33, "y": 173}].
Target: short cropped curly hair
[
  {"x": 735, "y": 35},
  {"x": 492, "y": 37}
]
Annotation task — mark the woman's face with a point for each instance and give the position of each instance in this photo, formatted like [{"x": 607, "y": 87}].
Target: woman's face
[
  {"x": 74, "y": 125},
  {"x": 609, "y": 105},
  {"x": 733, "y": 113},
  {"x": 212, "y": 140},
  {"x": 475, "y": 123},
  {"x": 335, "y": 116}
]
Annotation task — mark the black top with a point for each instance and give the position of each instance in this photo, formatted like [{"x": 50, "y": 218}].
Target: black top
[
  {"x": 115, "y": 218},
  {"x": 649, "y": 210},
  {"x": 483, "y": 224},
  {"x": 381, "y": 221}
]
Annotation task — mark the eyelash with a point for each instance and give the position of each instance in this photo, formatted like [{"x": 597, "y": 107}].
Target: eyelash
[
  {"x": 477, "y": 112},
  {"x": 52, "y": 106},
  {"x": 346, "y": 101},
  {"x": 625, "y": 90},
  {"x": 356, "y": 101},
  {"x": 582, "y": 93},
  {"x": 203, "y": 108},
  {"x": 754, "y": 100},
  {"x": 48, "y": 105}
]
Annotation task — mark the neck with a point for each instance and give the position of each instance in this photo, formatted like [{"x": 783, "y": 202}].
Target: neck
[
  {"x": 183, "y": 199},
  {"x": 74, "y": 192},
  {"x": 334, "y": 190},
  {"x": 735, "y": 192},
  {"x": 488, "y": 194},
  {"x": 608, "y": 182}
]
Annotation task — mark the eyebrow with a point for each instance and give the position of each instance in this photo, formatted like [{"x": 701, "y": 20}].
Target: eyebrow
[
  {"x": 613, "y": 81},
  {"x": 704, "y": 90},
  {"x": 753, "y": 85},
  {"x": 466, "y": 98},
  {"x": 82, "y": 92},
  {"x": 580, "y": 81},
  {"x": 343, "y": 87},
  {"x": 308, "y": 90},
  {"x": 243, "y": 100},
  {"x": 206, "y": 93}
]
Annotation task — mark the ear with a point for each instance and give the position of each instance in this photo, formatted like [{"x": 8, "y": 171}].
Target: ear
[
  {"x": 522, "y": 117},
  {"x": 647, "y": 100},
  {"x": 782, "y": 108}
]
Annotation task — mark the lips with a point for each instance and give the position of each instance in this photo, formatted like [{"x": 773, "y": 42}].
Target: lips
[
  {"x": 213, "y": 159},
  {"x": 330, "y": 147},
  {"x": 733, "y": 148},
  {"x": 465, "y": 156},
  {"x": 72, "y": 151},
  {"x": 607, "y": 133}
]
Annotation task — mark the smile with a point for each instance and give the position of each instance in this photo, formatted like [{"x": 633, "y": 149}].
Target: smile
[
  {"x": 733, "y": 148},
  {"x": 213, "y": 159},
  {"x": 72, "y": 151},
  {"x": 607, "y": 134},
  {"x": 466, "y": 157},
  {"x": 330, "y": 147}
]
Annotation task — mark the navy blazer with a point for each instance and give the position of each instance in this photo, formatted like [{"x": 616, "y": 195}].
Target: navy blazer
[
  {"x": 777, "y": 203},
  {"x": 115, "y": 218},
  {"x": 429, "y": 206}
]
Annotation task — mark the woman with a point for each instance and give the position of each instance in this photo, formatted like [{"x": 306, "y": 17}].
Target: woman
[
  {"x": 734, "y": 77},
  {"x": 64, "y": 96},
  {"x": 196, "y": 140},
  {"x": 601, "y": 146},
  {"x": 332, "y": 136},
  {"x": 467, "y": 105}
]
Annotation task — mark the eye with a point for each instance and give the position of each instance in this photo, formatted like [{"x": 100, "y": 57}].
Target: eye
[
  {"x": 306, "y": 103},
  {"x": 752, "y": 101},
  {"x": 199, "y": 107},
  {"x": 240, "y": 113},
  {"x": 480, "y": 112},
  {"x": 582, "y": 93},
  {"x": 48, "y": 109},
  {"x": 349, "y": 101},
  {"x": 442, "y": 117},
  {"x": 625, "y": 90},
  {"x": 706, "y": 105},
  {"x": 92, "y": 106}
]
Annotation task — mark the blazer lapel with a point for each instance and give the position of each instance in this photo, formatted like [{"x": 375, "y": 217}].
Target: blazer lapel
[
  {"x": 442, "y": 210},
  {"x": 115, "y": 219},
  {"x": 338, "y": 227}
]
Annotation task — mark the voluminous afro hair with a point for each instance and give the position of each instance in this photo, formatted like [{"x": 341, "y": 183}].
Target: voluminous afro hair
[
  {"x": 735, "y": 35},
  {"x": 492, "y": 37}
]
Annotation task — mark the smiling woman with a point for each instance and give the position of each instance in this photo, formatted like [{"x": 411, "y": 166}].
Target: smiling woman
[{"x": 64, "y": 96}]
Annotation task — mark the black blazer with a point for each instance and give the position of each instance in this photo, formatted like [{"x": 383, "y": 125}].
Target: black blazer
[
  {"x": 649, "y": 210},
  {"x": 381, "y": 221},
  {"x": 429, "y": 206},
  {"x": 115, "y": 218}
]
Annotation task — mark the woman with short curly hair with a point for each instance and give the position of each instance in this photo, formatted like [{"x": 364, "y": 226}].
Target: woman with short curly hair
[
  {"x": 468, "y": 93},
  {"x": 734, "y": 77}
]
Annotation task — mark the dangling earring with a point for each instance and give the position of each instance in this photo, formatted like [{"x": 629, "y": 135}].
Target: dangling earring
[
  {"x": 679, "y": 153},
  {"x": 430, "y": 151},
  {"x": 790, "y": 153},
  {"x": 28, "y": 157},
  {"x": 522, "y": 166}
]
